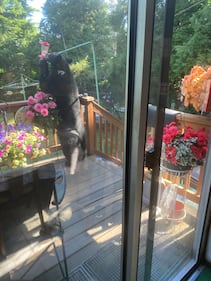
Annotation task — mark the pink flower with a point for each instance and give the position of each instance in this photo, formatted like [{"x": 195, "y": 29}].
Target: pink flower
[
  {"x": 31, "y": 100},
  {"x": 52, "y": 104},
  {"x": 38, "y": 145},
  {"x": 41, "y": 105},
  {"x": 30, "y": 114},
  {"x": 28, "y": 149},
  {"x": 21, "y": 137},
  {"x": 19, "y": 145},
  {"x": 7, "y": 142},
  {"x": 44, "y": 112},
  {"x": 39, "y": 96},
  {"x": 38, "y": 107},
  {"x": 45, "y": 105}
]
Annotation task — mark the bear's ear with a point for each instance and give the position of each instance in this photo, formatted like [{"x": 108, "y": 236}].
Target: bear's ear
[
  {"x": 69, "y": 60},
  {"x": 55, "y": 58},
  {"x": 52, "y": 57}
]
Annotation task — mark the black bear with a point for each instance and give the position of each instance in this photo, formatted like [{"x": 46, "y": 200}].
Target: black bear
[{"x": 57, "y": 79}]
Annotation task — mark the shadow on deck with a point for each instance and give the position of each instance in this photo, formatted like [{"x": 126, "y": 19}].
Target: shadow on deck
[{"x": 91, "y": 215}]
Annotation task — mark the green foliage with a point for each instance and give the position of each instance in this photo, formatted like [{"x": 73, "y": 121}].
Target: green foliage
[
  {"x": 157, "y": 52},
  {"x": 191, "y": 41},
  {"x": 82, "y": 72},
  {"x": 18, "y": 43},
  {"x": 16, "y": 34},
  {"x": 118, "y": 19},
  {"x": 70, "y": 23}
]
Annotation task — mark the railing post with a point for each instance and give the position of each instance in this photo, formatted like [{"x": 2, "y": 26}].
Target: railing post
[{"x": 87, "y": 101}]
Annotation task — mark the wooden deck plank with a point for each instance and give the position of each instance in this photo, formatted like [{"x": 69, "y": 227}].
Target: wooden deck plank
[
  {"x": 91, "y": 214},
  {"x": 93, "y": 197}
]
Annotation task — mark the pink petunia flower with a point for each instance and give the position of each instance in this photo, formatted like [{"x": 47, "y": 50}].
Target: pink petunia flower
[
  {"x": 39, "y": 96},
  {"x": 52, "y": 104},
  {"x": 38, "y": 107},
  {"x": 28, "y": 149},
  {"x": 44, "y": 112},
  {"x": 31, "y": 100},
  {"x": 30, "y": 114},
  {"x": 19, "y": 145},
  {"x": 45, "y": 105},
  {"x": 38, "y": 145},
  {"x": 7, "y": 142}
]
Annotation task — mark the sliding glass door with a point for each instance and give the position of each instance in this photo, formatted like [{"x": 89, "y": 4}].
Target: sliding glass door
[{"x": 166, "y": 189}]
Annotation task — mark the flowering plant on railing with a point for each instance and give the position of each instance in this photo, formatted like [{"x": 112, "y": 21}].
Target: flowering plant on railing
[
  {"x": 195, "y": 88},
  {"x": 42, "y": 110},
  {"x": 19, "y": 143},
  {"x": 186, "y": 147}
]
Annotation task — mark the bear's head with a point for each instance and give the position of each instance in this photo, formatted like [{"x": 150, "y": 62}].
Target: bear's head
[{"x": 59, "y": 63}]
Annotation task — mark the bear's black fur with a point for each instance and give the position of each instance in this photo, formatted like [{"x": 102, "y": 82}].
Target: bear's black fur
[{"x": 57, "y": 79}]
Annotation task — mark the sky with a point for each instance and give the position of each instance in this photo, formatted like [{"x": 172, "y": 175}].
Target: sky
[{"x": 37, "y": 4}]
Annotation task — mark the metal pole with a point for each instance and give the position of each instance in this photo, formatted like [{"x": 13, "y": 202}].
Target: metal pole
[
  {"x": 23, "y": 89},
  {"x": 75, "y": 47},
  {"x": 95, "y": 71}
]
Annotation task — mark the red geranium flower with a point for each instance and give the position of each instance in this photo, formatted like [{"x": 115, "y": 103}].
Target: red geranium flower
[{"x": 185, "y": 148}]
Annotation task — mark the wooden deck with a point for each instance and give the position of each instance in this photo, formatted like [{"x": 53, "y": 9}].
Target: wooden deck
[{"x": 91, "y": 215}]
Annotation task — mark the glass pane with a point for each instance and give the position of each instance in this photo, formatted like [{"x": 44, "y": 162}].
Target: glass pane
[
  {"x": 170, "y": 235},
  {"x": 59, "y": 194}
]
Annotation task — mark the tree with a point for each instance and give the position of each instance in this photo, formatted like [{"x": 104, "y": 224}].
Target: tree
[
  {"x": 17, "y": 32},
  {"x": 70, "y": 23},
  {"x": 191, "y": 41},
  {"x": 157, "y": 48},
  {"x": 118, "y": 19}
]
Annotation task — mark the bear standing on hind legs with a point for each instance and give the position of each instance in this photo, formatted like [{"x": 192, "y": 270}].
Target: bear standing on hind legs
[{"x": 58, "y": 81}]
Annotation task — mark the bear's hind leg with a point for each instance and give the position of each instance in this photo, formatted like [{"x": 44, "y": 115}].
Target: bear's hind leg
[{"x": 74, "y": 160}]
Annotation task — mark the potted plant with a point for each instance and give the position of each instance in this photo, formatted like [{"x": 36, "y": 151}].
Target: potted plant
[
  {"x": 41, "y": 110},
  {"x": 184, "y": 149},
  {"x": 195, "y": 88},
  {"x": 18, "y": 143}
]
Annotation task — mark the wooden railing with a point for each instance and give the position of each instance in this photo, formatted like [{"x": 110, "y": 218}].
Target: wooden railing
[
  {"x": 196, "y": 122},
  {"x": 104, "y": 135},
  {"x": 104, "y": 131}
]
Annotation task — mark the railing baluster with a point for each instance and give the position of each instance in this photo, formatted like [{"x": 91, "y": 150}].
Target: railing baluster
[
  {"x": 106, "y": 136},
  {"x": 116, "y": 143},
  {"x": 111, "y": 139},
  {"x": 100, "y": 133}
]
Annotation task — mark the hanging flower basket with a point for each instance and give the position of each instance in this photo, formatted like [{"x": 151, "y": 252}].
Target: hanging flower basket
[
  {"x": 185, "y": 148},
  {"x": 175, "y": 167},
  {"x": 41, "y": 111}
]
